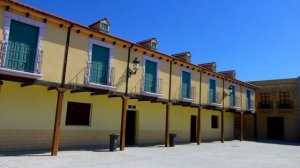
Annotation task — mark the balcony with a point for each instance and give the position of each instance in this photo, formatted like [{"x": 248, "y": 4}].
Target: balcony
[
  {"x": 250, "y": 106},
  {"x": 189, "y": 96},
  {"x": 268, "y": 105},
  {"x": 20, "y": 66},
  {"x": 152, "y": 90},
  {"x": 96, "y": 78},
  {"x": 215, "y": 99},
  {"x": 234, "y": 105},
  {"x": 285, "y": 105}
]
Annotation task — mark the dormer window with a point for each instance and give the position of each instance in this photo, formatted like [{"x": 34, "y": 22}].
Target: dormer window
[
  {"x": 153, "y": 45},
  {"x": 104, "y": 27},
  {"x": 184, "y": 56},
  {"x": 149, "y": 43}
]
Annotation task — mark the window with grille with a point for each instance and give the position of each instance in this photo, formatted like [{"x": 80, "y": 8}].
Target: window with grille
[
  {"x": 265, "y": 101},
  {"x": 284, "y": 100}
]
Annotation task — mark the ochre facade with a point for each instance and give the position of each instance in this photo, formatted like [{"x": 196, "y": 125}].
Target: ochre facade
[{"x": 29, "y": 101}]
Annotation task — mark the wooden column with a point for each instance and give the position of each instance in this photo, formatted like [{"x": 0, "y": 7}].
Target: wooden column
[
  {"x": 199, "y": 126},
  {"x": 222, "y": 126},
  {"x": 123, "y": 122},
  {"x": 242, "y": 126},
  {"x": 56, "y": 132},
  {"x": 255, "y": 125},
  {"x": 167, "y": 127}
]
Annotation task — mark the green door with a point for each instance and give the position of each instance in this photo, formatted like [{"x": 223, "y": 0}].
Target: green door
[
  {"x": 150, "y": 76},
  {"x": 212, "y": 91},
  {"x": 232, "y": 97},
  {"x": 21, "y": 49},
  {"x": 186, "y": 85},
  {"x": 99, "y": 65}
]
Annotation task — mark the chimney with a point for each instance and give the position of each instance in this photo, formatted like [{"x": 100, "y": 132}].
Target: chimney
[
  {"x": 102, "y": 25},
  {"x": 185, "y": 56},
  {"x": 230, "y": 74},
  {"x": 149, "y": 43},
  {"x": 211, "y": 66}
]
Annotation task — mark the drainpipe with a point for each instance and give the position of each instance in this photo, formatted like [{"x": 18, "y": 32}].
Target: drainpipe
[
  {"x": 199, "y": 112},
  {"x": 60, "y": 97},
  {"x": 167, "y": 126},
  {"x": 125, "y": 99},
  {"x": 222, "y": 114}
]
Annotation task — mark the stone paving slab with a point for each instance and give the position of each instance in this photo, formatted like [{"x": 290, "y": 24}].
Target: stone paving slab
[{"x": 231, "y": 154}]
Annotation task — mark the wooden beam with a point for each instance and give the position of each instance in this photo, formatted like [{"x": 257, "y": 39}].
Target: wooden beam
[
  {"x": 255, "y": 125},
  {"x": 199, "y": 126},
  {"x": 242, "y": 126},
  {"x": 26, "y": 84},
  {"x": 123, "y": 122},
  {"x": 222, "y": 126},
  {"x": 51, "y": 88},
  {"x": 56, "y": 132},
  {"x": 78, "y": 91},
  {"x": 98, "y": 93},
  {"x": 167, "y": 125}
]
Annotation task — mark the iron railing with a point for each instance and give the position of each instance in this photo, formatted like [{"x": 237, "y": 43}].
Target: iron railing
[
  {"x": 109, "y": 80},
  {"x": 216, "y": 98},
  {"x": 285, "y": 105},
  {"x": 158, "y": 87},
  {"x": 265, "y": 105},
  {"x": 191, "y": 95}
]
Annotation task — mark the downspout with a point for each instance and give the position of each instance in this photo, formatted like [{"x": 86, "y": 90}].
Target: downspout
[
  {"x": 222, "y": 113},
  {"x": 167, "y": 122},
  {"x": 127, "y": 68},
  {"x": 66, "y": 57},
  {"x": 199, "y": 111}
]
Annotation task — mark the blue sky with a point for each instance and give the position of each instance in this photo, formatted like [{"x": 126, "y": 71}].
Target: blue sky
[{"x": 260, "y": 39}]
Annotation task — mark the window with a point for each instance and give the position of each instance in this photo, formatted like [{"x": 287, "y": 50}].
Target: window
[
  {"x": 22, "y": 46},
  {"x": 214, "y": 122},
  {"x": 186, "y": 85},
  {"x": 153, "y": 45},
  {"x": 284, "y": 100},
  {"x": 265, "y": 101},
  {"x": 212, "y": 91},
  {"x": 78, "y": 114},
  {"x": 104, "y": 27},
  {"x": 99, "y": 66},
  {"x": 233, "y": 96},
  {"x": 150, "y": 82},
  {"x": 248, "y": 99}
]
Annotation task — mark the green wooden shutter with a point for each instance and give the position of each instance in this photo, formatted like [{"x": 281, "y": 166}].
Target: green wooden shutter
[
  {"x": 150, "y": 76},
  {"x": 212, "y": 91},
  {"x": 22, "y": 45},
  {"x": 232, "y": 97},
  {"x": 99, "y": 65},
  {"x": 248, "y": 100},
  {"x": 186, "y": 85}
]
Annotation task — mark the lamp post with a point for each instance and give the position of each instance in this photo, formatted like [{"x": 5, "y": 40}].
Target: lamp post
[{"x": 135, "y": 67}]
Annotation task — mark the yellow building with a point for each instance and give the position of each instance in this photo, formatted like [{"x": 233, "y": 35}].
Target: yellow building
[{"x": 68, "y": 85}]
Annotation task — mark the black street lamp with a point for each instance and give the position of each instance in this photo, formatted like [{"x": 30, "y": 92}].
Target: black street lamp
[{"x": 135, "y": 67}]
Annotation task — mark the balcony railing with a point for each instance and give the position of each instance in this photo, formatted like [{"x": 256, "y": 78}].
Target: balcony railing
[
  {"x": 285, "y": 105},
  {"x": 98, "y": 81},
  {"x": 265, "y": 105},
  {"x": 188, "y": 96},
  {"x": 158, "y": 91},
  {"x": 215, "y": 99},
  {"x": 236, "y": 104},
  {"x": 19, "y": 67},
  {"x": 250, "y": 106}
]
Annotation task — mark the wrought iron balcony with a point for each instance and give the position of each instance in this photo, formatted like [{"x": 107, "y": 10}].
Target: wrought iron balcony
[
  {"x": 155, "y": 90},
  {"x": 98, "y": 78},
  {"x": 251, "y": 106},
  {"x": 188, "y": 96},
  {"x": 236, "y": 104},
  {"x": 215, "y": 99},
  {"x": 285, "y": 105},
  {"x": 265, "y": 105},
  {"x": 18, "y": 67}
]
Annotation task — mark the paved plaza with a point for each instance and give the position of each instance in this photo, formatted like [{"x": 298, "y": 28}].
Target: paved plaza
[{"x": 231, "y": 154}]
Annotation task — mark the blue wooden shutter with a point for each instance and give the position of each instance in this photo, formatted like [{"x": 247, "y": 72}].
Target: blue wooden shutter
[
  {"x": 99, "y": 65},
  {"x": 150, "y": 76},
  {"x": 22, "y": 45},
  {"x": 232, "y": 97},
  {"x": 212, "y": 91},
  {"x": 186, "y": 85}
]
